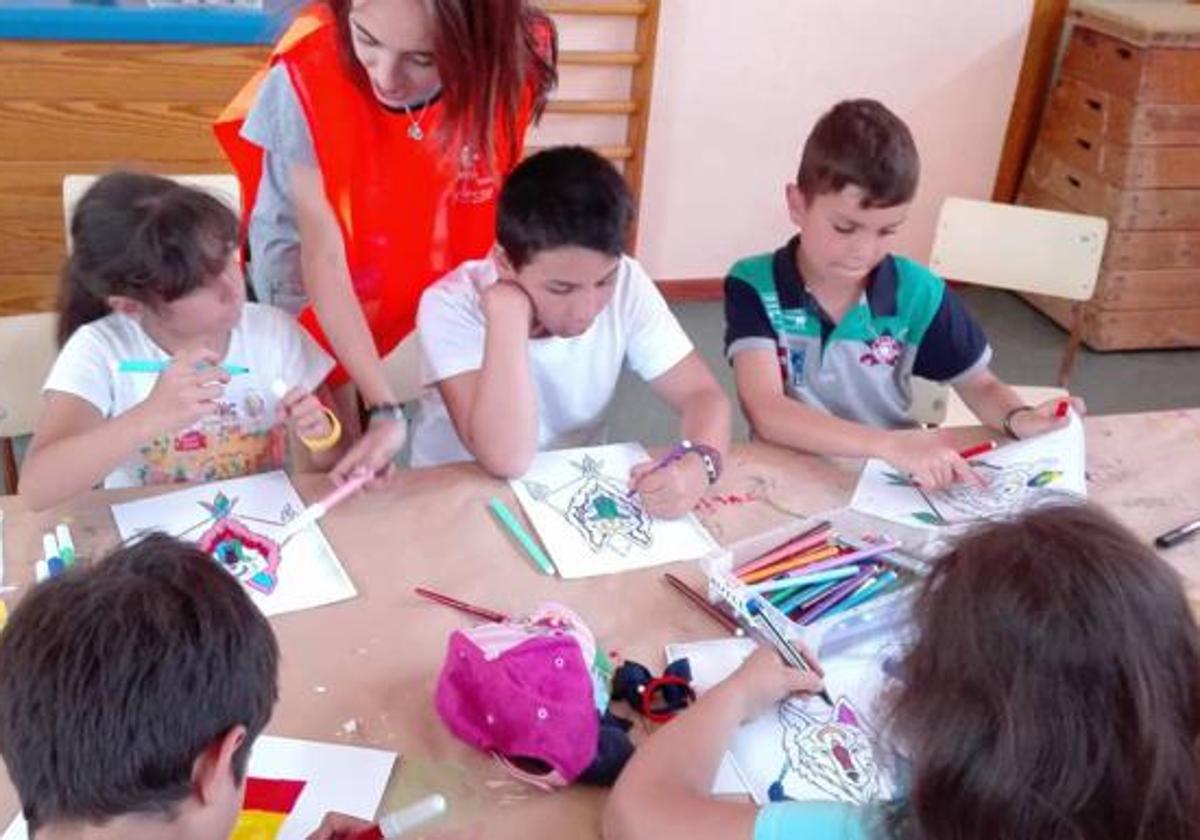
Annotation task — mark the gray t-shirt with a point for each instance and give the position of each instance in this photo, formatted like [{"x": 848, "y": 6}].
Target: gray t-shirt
[{"x": 276, "y": 123}]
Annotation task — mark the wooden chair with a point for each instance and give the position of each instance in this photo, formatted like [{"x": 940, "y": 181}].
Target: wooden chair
[
  {"x": 27, "y": 350},
  {"x": 1021, "y": 249}
]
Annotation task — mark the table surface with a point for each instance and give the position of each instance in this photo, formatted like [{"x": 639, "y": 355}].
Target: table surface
[{"x": 374, "y": 660}]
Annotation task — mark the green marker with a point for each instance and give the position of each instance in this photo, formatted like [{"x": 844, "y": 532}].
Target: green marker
[
  {"x": 66, "y": 545},
  {"x": 522, "y": 536}
]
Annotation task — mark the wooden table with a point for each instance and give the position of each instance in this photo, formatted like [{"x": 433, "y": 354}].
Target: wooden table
[{"x": 375, "y": 660}]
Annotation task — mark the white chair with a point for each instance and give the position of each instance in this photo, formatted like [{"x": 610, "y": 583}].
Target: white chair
[
  {"x": 27, "y": 351},
  {"x": 1021, "y": 249},
  {"x": 224, "y": 187}
]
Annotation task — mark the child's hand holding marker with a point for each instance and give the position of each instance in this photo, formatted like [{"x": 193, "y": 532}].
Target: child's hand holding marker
[
  {"x": 932, "y": 463},
  {"x": 187, "y": 390},
  {"x": 764, "y": 679},
  {"x": 1053, "y": 414},
  {"x": 672, "y": 489}
]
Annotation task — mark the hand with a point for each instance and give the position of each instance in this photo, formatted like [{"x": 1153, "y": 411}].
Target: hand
[
  {"x": 186, "y": 391},
  {"x": 932, "y": 464},
  {"x": 304, "y": 414},
  {"x": 374, "y": 451},
  {"x": 336, "y": 826},
  {"x": 1042, "y": 418},
  {"x": 507, "y": 302},
  {"x": 671, "y": 491},
  {"x": 764, "y": 679}
]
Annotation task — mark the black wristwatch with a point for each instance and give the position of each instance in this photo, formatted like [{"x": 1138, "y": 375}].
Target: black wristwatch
[
  {"x": 386, "y": 411},
  {"x": 709, "y": 456}
]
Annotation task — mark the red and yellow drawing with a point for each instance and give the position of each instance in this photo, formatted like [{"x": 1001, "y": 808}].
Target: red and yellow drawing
[{"x": 267, "y": 804}]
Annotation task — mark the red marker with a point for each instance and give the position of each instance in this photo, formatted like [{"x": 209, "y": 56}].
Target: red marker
[
  {"x": 1061, "y": 411},
  {"x": 402, "y": 821},
  {"x": 978, "y": 449}
]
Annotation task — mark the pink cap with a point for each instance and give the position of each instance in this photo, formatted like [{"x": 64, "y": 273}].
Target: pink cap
[{"x": 523, "y": 689}]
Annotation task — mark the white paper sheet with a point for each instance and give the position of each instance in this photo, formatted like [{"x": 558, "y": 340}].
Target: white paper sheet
[
  {"x": 336, "y": 777},
  {"x": 308, "y": 573},
  {"x": 578, "y": 502},
  {"x": 802, "y": 749},
  {"x": 1018, "y": 476}
]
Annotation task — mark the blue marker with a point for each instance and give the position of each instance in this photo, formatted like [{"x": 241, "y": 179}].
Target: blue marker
[{"x": 158, "y": 366}]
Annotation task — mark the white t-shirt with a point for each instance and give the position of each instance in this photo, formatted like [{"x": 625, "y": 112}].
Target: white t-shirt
[
  {"x": 575, "y": 377},
  {"x": 243, "y": 436}
]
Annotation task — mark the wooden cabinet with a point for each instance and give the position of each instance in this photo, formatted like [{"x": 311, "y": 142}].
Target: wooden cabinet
[{"x": 1120, "y": 138}]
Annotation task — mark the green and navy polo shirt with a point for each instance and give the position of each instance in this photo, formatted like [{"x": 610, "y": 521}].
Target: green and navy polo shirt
[{"x": 906, "y": 322}]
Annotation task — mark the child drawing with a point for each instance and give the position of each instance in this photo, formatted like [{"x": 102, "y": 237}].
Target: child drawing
[
  {"x": 1007, "y": 490},
  {"x": 599, "y": 507},
  {"x": 830, "y": 752}
]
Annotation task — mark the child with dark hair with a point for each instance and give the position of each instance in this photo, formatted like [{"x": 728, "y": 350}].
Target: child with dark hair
[
  {"x": 131, "y": 693},
  {"x": 1052, "y": 691},
  {"x": 522, "y": 351},
  {"x": 153, "y": 276},
  {"x": 825, "y": 334}
]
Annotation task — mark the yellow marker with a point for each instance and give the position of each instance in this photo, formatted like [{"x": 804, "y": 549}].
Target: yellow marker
[{"x": 3, "y": 615}]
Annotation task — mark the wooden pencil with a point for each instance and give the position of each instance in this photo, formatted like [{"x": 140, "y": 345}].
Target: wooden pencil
[{"x": 700, "y": 601}]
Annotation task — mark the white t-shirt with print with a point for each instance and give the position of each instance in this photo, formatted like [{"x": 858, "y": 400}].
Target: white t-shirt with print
[
  {"x": 575, "y": 377},
  {"x": 243, "y": 436}
]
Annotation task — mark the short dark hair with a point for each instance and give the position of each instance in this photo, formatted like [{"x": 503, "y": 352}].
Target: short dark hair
[
  {"x": 1053, "y": 689},
  {"x": 860, "y": 142},
  {"x": 564, "y": 196},
  {"x": 145, "y": 237},
  {"x": 116, "y": 677}
]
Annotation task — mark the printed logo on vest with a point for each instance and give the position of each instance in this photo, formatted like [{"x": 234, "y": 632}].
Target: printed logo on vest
[
  {"x": 475, "y": 183},
  {"x": 884, "y": 350}
]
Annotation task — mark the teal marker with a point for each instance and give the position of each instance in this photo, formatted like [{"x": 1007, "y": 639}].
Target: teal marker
[
  {"x": 159, "y": 365},
  {"x": 522, "y": 536},
  {"x": 66, "y": 545}
]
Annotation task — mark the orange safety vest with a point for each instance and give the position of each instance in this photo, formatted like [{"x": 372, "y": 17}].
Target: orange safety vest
[{"x": 408, "y": 211}]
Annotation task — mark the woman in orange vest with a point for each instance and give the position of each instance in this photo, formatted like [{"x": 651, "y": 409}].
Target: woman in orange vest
[{"x": 370, "y": 152}]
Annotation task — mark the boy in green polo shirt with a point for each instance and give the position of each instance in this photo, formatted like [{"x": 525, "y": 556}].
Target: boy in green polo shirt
[{"x": 825, "y": 333}]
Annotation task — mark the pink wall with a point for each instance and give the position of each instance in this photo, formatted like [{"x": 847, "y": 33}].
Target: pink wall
[{"x": 739, "y": 82}]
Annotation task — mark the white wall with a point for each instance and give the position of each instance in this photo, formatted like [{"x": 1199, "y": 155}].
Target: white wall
[{"x": 738, "y": 83}]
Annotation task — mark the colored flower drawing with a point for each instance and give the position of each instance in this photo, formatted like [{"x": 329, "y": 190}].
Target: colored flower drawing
[
  {"x": 599, "y": 508},
  {"x": 249, "y": 556}
]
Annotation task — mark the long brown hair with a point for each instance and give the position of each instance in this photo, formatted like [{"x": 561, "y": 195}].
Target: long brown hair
[
  {"x": 486, "y": 52},
  {"x": 144, "y": 237},
  {"x": 1053, "y": 692}
]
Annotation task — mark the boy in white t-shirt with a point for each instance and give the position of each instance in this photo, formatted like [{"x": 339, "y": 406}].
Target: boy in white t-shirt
[
  {"x": 521, "y": 351},
  {"x": 153, "y": 280}
]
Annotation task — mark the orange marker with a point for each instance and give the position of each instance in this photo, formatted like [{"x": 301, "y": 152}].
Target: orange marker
[{"x": 768, "y": 572}]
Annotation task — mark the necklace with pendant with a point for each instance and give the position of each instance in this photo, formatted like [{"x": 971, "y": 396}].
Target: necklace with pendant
[{"x": 415, "y": 132}]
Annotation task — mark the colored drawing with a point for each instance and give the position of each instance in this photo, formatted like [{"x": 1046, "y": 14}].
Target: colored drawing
[
  {"x": 829, "y": 751},
  {"x": 292, "y": 784},
  {"x": 599, "y": 507},
  {"x": 1014, "y": 477},
  {"x": 802, "y": 749},
  {"x": 265, "y": 807},
  {"x": 240, "y": 523},
  {"x": 590, "y": 523}
]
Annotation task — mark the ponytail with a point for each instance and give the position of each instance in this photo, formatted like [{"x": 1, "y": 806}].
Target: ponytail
[{"x": 76, "y": 303}]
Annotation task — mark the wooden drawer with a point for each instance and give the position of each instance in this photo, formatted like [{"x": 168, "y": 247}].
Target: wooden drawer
[
  {"x": 1142, "y": 329},
  {"x": 1164, "y": 75},
  {"x": 1050, "y": 177},
  {"x": 1127, "y": 290},
  {"x": 1078, "y": 109}
]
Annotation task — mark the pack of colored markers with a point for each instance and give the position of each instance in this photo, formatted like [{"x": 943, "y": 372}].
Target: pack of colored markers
[{"x": 827, "y": 584}]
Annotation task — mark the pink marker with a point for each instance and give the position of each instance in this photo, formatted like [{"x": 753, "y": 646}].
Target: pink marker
[{"x": 318, "y": 509}]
